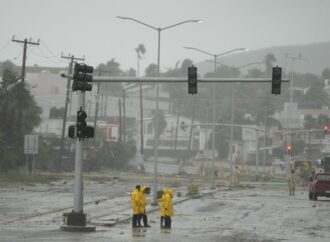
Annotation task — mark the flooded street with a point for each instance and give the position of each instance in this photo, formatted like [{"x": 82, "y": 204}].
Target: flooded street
[{"x": 253, "y": 212}]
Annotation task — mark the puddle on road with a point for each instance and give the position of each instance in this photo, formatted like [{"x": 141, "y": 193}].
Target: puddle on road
[{"x": 210, "y": 207}]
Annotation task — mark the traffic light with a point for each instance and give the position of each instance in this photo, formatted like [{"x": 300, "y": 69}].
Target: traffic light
[
  {"x": 192, "y": 80},
  {"x": 81, "y": 76},
  {"x": 82, "y": 129},
  {"x": 289, "y": 149},
  {"x": 81, "y": 123},
  {"x": 72, "y": 133},
  {"x": 276, "y": 80},
  {"x": 325, "y": 129}
]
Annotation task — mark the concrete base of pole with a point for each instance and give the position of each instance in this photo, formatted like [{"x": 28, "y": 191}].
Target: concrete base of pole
[
  {"x": 70, "y": 228},
  {"x": 76, "y": 222},
  {"x": 75, "y": 219}
]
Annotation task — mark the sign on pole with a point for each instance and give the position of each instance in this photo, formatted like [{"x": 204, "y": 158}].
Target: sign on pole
[
  {"x": 112, "y": 133},
  {"x": 31, "y": 143}
]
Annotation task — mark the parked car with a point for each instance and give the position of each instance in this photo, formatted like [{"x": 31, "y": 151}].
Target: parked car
[{"x": 319, "y": 186}]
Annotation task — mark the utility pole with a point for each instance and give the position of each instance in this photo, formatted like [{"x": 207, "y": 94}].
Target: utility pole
[
  {"x": 97, "y": 105},
  {"x": 141, "y": 122},
  {"x": 124, "y": 115},
  {"x": 97, "y": 99},
  {"x": 177, "y": 127},
  {"x": 25, "y": 42},
  {"x": 192, "y": 123},
  {"x": 72, "y": 59},
  {"x": 120, "y": 122},
  {"x": 265, "y": 139}
]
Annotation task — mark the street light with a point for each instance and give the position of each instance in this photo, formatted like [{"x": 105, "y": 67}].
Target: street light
[
  {"x": 239, "y": 67},
  {"x": 214, "y": 105},
  {"x": 291, "y": 91},
  {"x": 157, "y": 90}
]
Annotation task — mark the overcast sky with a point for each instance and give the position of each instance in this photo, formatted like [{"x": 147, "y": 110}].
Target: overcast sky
[{"x": 90, "y": 28}]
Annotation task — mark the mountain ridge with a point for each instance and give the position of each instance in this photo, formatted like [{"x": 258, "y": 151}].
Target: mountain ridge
[{"x": 315, "y": 58}]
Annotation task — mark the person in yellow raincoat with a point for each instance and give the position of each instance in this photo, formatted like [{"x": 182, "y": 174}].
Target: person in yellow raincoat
[
  {"x": 292, "y": 180},
  {"x": 142, "y": 206},
  {"x": 161, "y": 208},
  {"x": 168, "y": 208},
  {"x": 135, "y": 202},
  {"x": 236, "y": 177}
]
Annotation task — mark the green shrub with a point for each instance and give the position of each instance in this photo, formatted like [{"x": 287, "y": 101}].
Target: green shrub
[
  {"x": 159, "y": 194},
  {"x": 192, "y": 190},
  {"x": 19, "y": 177}
]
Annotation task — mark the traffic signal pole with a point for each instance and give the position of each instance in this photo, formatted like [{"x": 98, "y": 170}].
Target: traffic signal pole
[
  {"x": 72, "y": 59},
  {"x": 78, "y": 177},
  {"x": 76, "y": 220}
]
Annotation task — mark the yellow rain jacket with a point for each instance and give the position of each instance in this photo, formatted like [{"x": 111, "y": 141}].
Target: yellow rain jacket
[
  {"x": 143, "y": 200},
  {"x": 292, "y": 180},
  {"x": 161, "y": 203},
  {"x": 168, "y": 204},
  {"x": 135, "y": 201}
]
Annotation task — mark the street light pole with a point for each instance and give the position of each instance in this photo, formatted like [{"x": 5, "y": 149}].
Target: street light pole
[
  {"x": 291, "y": 92},
  {"x": 156, "y": 137},
  {"x": 215, "y": 56}
]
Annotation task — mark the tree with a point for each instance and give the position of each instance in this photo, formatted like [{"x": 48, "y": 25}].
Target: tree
[
  {"x": 269, "y": 59},
  {"x": 13, "y": 98},
  {"x": 315, "y": 96},
  {"x": 151, "y": 70},
  {"x": 140, "y": 51},
  {"x": 113, "y": 68},
  {"x": 161, "y": 121},
  {"x": 326, "y": 74}
]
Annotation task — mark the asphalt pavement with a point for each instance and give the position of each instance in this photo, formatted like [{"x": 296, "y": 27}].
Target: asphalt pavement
[{"x": 253, "y": 212}]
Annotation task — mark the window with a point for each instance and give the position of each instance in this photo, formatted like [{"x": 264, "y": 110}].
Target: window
[
  {"x": 323, "y": 177},
  {"x": 149, "y": 130}
]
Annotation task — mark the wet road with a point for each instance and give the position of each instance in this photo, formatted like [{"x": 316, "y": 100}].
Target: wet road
[{"x": 261, "y": 213}]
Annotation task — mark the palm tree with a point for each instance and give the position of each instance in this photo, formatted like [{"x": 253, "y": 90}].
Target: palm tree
[{"x": 140, "y": 51}]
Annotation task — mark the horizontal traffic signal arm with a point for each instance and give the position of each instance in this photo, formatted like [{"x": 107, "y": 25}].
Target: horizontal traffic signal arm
[
  {"x": 172, "y": 79},
  {"x": 177, "y": 79}
]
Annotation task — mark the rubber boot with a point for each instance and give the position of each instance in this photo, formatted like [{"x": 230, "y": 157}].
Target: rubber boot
[
  {"x": 134, "y": 220},
  {"x": 162, "y": 220},
  {"x": 139, "y": 220},
  {"x": 145, "y": 220},
  {"x": 167, "y": 222}
]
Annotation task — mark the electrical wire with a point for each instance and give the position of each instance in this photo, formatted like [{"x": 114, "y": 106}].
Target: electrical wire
[
  {"x": 51, "y": 52},
  {"x": 42, "y": 55}
]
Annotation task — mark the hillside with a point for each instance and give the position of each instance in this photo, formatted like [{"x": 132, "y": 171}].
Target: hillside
[{"x": 318, "y": 55}]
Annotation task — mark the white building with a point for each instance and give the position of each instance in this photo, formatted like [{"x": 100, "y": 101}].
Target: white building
[{"x": 174, "y": 138}]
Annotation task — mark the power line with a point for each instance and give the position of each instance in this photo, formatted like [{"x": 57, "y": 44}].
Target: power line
[{"x": 51, "y": 52}]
